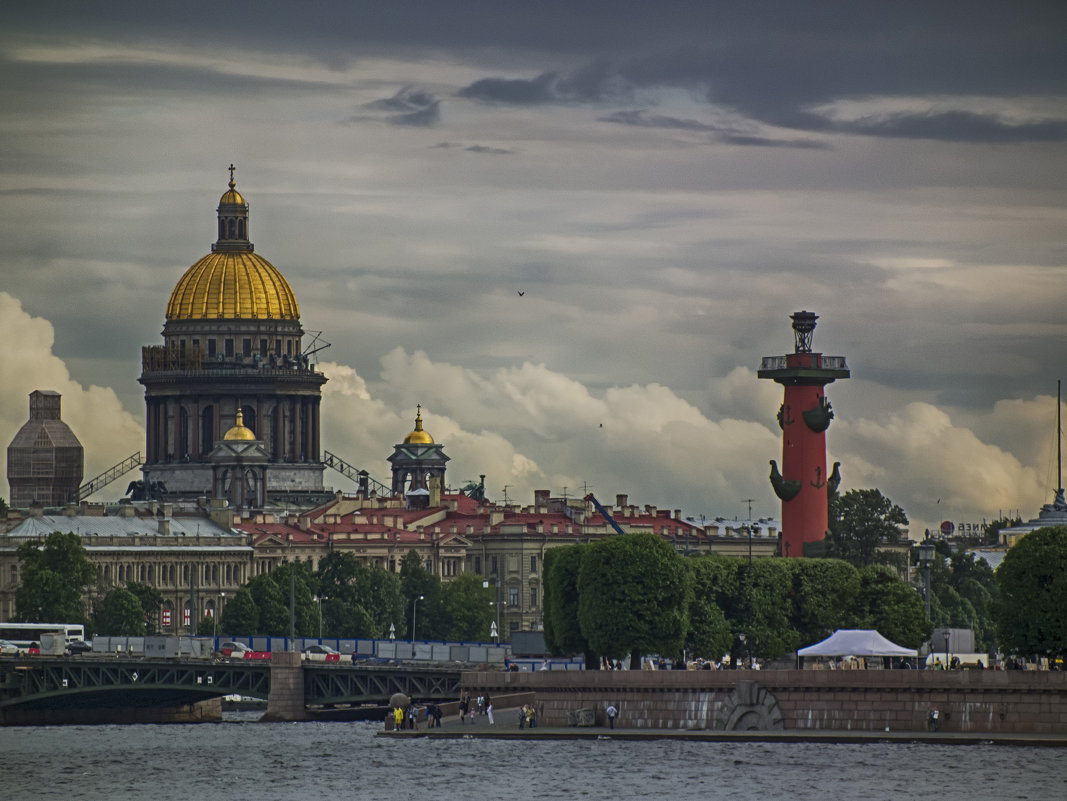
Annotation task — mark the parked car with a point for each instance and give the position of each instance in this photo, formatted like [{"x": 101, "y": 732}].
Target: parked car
[
  {"x": 75, "y": 647},
  {"x": 235, "y": 650},
  {"x": 321, "y": 653},
  {"x": 8, "y": 648}
]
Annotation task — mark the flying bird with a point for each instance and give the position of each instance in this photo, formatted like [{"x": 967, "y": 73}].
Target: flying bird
[{"x": 521, "y": 293}]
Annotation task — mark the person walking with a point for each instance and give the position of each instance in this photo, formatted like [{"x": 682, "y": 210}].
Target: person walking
[
  {"x": 612, "y": 713},
  {"x": 489, "y": 710}
]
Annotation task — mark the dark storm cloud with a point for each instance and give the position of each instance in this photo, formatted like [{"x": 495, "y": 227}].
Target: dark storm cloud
[
  {"x": 958, "y": 126},
  {"x": 519, "y": 92},
  {"x": 723, "y": 134},
  {"x": 638, "y": 118},
  {"x": 411, "y": 106}
]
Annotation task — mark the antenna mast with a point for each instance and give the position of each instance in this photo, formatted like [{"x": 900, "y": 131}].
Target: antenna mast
[{"x": 1059, "y": 442}]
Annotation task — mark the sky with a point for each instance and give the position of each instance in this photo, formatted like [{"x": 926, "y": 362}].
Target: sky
[{"x": 569, "y": 230}]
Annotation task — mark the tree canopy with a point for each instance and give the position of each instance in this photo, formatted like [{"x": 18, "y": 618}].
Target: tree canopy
[
  {"x": 633, "y": 597},
  {"x": 54, "y": 575},
  {"x": 860, "y": 521},
  {"x": 1032, "y": 579}
]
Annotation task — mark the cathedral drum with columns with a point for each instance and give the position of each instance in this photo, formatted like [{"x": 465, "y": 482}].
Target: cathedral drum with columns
[{"x": 232, "y": 356}]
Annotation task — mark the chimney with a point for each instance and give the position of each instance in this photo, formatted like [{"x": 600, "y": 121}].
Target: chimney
[
  {"x": 168, "y": 510},
  {"x": 36, "y": 510},
  {"x": 69, "y": 511},
  {"x": 541, "y": 499},
  {"x": 435, "y": 491},
  {"x": 164, "y": 527},
  {"x": 621, "y": 501}
]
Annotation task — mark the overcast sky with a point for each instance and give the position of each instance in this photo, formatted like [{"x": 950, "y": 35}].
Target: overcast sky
[{"x": 664, "y": 182}]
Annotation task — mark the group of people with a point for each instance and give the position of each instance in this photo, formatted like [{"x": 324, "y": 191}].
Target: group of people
[
  {"x": 528, "y": 716},
  {"x": 468, "y": 710}
]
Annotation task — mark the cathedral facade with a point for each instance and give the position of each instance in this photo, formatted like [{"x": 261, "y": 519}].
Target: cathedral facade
[{"x": 232, "y": 347}]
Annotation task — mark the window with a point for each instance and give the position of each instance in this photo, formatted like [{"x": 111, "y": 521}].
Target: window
[
  {"x": 246, "y": 346},
  {"x": 478, "y": 565},
  {"x": 211, "y": 348},
  {"x": 229, "y": 347},
  {"x": 513, "y": 626},
  {"x": 533, "y": 597},
  {"x": 164, "y": 617},
  {"x": 493, "y": 569},
  {"x": 533, "y": 564},
  {"x": 263, "y": 347},
  {"x": 187, "y": 616},
  {"x": 513, "y": 596}
]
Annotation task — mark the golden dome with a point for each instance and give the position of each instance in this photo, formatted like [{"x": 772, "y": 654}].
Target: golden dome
[
  {"x": 239, "y": 431},
  {"x": 232, "y": 285},
  {"x": 231, "y": 197},
  {"x": 418, "y": 436}
]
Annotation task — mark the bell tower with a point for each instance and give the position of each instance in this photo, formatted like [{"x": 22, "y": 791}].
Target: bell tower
[{"x": 804, "y": 416}]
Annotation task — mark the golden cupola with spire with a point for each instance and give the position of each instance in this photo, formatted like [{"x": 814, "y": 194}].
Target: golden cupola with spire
[
  {"x": 418, "y": 436},
  {"x": 232, "y": 281}
]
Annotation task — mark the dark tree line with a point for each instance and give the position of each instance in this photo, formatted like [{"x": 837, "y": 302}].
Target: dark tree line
[{"x": 635, "y": 594}]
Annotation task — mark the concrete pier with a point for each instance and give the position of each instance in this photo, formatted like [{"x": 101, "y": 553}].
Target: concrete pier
[{"x": 286, "y": 699}]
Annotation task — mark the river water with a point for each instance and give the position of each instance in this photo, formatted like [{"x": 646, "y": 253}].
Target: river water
[{"x": 243, "y": 759}]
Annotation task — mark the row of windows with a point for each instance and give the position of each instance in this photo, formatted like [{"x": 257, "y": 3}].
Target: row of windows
[
  {"x": 247, "y": 346},
  {"x": 171, "y": 575},
  {"x": 494, "y": 565}
]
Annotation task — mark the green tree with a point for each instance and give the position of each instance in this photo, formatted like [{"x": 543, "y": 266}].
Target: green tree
[
  {"x": 241, "y": 614},
  {"x": 272, "y": 606},
  {"x": 633, "y": 597},
  {"x": 54, "y": 575},
  {"x": 860, "y": 521},
  {"x": 824, "y": 597},
  {"x": 768, "y": 627},
  {"x": 468, "y": 608},
  {"x": 416, "y": 581},
  {"x": 715, "y": 581},
  {"x": 122, "y": 615},
  {"x": 151, "y": 601},
  {"x": 1030, "y": 616},
  {"x": 892, "y": 607},
  {"x": 563, "y": 633}
]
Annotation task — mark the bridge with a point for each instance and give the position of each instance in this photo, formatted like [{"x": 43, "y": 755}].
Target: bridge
[{"x": 91, "y": 689}]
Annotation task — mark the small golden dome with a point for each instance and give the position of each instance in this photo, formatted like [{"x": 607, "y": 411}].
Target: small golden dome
[
  {"x": 239, "y": 431},
  {"x": 418, "y": 436},
  {"x": 232, "y": 197},
  {"x": 232, "y": 285}
]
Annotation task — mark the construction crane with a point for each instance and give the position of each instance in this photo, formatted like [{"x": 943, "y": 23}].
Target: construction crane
[{"x": 605, "y": 513}]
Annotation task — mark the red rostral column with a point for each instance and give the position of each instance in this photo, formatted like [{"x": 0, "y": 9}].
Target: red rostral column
[{"x": 804, "y": 417}]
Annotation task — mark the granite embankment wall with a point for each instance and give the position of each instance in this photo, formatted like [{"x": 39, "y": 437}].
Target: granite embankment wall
[{"x": 970, "y": 701}]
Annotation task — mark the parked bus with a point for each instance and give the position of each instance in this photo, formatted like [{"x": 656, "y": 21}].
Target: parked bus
[{"x": 26, "y": 635}]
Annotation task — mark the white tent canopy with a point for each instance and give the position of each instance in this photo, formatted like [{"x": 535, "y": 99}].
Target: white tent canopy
[{"x": 856, "y": 642}]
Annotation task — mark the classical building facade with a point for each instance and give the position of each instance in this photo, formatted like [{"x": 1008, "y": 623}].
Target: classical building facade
[
  {"x": 194, "y": 562},
  {"x": 232, "y": 344}
]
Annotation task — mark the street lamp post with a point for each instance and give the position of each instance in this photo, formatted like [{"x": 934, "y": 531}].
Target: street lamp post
[
  {"x": 948, "y": 634},
  {"x": 218, "y": 611},
  {"x": 414, "y": 606},
  {"x": 496, "y": 585},
  {"x": 320, "y": 599},
  {"x": 926, "y": 556}
]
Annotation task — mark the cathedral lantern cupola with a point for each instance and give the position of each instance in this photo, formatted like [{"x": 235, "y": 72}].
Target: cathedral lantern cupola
[
  {"x": 804, "y": 416},
  {"x": 416, "y": 461},
  {"x": 233, "y": 220}
]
